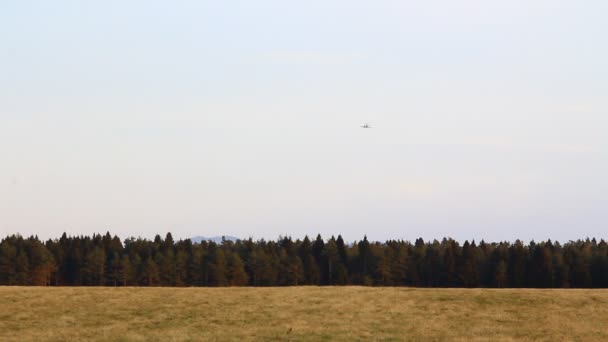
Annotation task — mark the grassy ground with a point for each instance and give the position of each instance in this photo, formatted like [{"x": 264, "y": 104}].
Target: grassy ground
[{"x": 300, "y": 314}]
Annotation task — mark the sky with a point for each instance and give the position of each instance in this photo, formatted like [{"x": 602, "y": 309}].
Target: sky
[{"x": 242, "y": 118}]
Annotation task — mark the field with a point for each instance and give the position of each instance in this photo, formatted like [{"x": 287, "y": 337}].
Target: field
[{"x": 300, "y": 314}]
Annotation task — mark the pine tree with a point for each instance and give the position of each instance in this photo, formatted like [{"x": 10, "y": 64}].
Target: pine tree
[
  {"x": 8, "y": 255},
  {"x": 139, "y": 268},
  {"x": 113, "y": 270},
  {"x": 342, "y": 254},
  {"x": 126, "y": 272},
  {"x": 383, "y": 269},
  {"x": 433, "y": 264},
  {"x": 542, "y": 267},
  {"x": 599, "y": 271},
  {"x": 311, "y": 270},
  {"x": 41, "y": 263},
  {"x": 219, "y": 269},
  {"x": 364, "y": 262},
  {"x": 104, "y": 260},
  {"x": 318, "y": 247},
  {"x": 330, "y": 252},
  {"x": 151, "y": 276},
  {"x": 236, "y": 270},
  {"x": 450, "y": 260},
  {"x": 194, "y": 254},
  {"x": 165, "y": 259},
  {"x": 22, "y": 268},
  {"x": 255, "y": 266},
  {"x": 469, "y": 272},
  {"x": 94, "y": 267},
  {"x": 517, "y": 264},
  {"x": 181, "y": 268},
  {"x": 500, "y": 274},
  {"x": 399, "y": 265}
]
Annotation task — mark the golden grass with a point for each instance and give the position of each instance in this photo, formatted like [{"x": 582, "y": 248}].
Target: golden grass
[{"x": 300, "y": 314}]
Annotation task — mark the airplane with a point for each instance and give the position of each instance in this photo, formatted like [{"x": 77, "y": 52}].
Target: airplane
[{"x": 366, "y": 125}]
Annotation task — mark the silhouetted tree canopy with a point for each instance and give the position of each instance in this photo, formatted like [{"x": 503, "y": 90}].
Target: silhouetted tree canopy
[{"x": 106, "y": 261}]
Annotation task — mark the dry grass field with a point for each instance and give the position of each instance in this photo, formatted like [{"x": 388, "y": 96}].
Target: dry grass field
[{"x": 300, "y": 314}]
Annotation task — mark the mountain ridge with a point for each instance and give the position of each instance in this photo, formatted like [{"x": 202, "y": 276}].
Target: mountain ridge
[{"x": 216, "y": 239}]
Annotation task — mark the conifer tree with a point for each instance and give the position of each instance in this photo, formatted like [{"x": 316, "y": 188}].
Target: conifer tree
[
  {"x": 469, "y": 273},
  {"x": 311, "y": 271},
  {"x": 330, "y": 252},
  {"x": 450, "y": 257},
  {"x": 22, "y": 268},
  {"x": 126, "y": 273},
  {"x": 151, "y": 276},
  {"x": 45, "y": 269},
  {"x": 181, "y": 268},
  {"x": 8, "y": 256},
  {"x": 383, "y": 269},
  {"x": 399, "y": 264},
  {"x": 94, "y": 267},
  {"x": 236, "y": 270},
  {"x": 194, "y": 255},
  {"x": 364, "y": 262},
  {"x": 342, "y": 254},
  {"x": 542, "y": 267},
  {"x": 113, "y": 269},
  {"x": 219, "y": 269},
  {"x": 500, "y": 274},
  {"x": 165, "y": 259},
  {"x": 517, "y": 264},
  {"x": 318, "y": 247},
  {"x": 104, "y": 260}
]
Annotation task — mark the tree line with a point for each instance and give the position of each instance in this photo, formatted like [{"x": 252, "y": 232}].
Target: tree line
[{"x": 105, "y": 260}]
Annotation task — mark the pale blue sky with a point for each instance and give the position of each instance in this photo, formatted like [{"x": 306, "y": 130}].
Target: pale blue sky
[{"x": 242, "y": 118}]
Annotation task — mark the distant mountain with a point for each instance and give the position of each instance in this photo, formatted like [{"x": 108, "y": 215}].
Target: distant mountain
[{"x": 216, "y": 239}]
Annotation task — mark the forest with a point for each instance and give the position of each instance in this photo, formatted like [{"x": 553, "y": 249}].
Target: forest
[{"x": 105, "y": 260}]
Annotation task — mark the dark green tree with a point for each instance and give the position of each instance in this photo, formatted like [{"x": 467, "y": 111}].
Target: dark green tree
[{"x": 236, "y": 271}]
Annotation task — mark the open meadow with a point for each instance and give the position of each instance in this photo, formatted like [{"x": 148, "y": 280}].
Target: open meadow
[{"x": 300, "y": 314}]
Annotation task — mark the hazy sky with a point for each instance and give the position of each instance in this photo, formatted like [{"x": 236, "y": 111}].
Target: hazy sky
[{"x": 242, "y": 118}]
